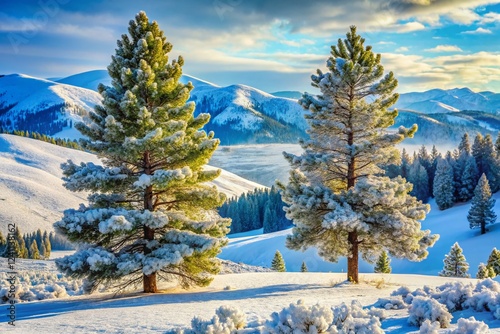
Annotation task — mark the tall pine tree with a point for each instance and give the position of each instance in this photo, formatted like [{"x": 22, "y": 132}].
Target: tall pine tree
[
  {"x": 443, "y": 188},
  {"x": 336, "y": 199},
  {"x": 455, "y": 264},
  {"x": 494, "y": 261},
  {"x": 151, "y": 214},
  {"x": 481, "y": 212}
]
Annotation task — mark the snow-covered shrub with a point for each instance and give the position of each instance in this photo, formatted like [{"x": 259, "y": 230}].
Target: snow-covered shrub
[
  {"x": 429, "y": 327},
  {"x": 405, "y": 293},
  {"x": 356, "y": 320},
  {"x": 391, "y": 303},
  {"x": 485, "y": 297},
  {"x": 423, "y": 308},
  {"x": 299, "y": 318},
  {"x": 470, "y": 326},
  {"x": 453, "y": 295},
  {"x": 32, "y": 285},
  {"x": 227, "y": 320}
]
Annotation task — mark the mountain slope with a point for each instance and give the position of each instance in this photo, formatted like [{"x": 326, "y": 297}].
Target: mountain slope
[
  {"x": 40, "y": 105},
  {"x": 31, "y": 191},
  {"x": 443, "y": 101},
  {"x": 88, "y": 80},
  {"x": 243, "y": 114}
]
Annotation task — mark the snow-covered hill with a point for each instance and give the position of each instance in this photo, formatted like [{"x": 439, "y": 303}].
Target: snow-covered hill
[
  {"x": 258, "y": 249},
  {"x": 443, "y": 101},
  {"x": 88, "y": 80},
  {"x": 31, "y": 191},
  {"x": 45, "y": 106}
]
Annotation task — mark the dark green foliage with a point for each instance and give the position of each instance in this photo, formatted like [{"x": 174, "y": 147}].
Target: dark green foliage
[
  {"x": 303, "y": 268},
  {"x": 494, "y": 261},
  {"x": 261, "y": 208},
  {"x": 278, "y": 263},
  {"x": 383, "y": 264},
  {"x": 481, "y": 212}
]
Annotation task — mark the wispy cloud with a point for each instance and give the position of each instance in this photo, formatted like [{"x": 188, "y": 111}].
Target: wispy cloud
[
  {"x": 402, "y": 49},
  {"x": 478, "y": 31},
  {"x": 445, "y": 48}
]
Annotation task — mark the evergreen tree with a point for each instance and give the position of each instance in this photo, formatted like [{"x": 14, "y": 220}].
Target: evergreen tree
[
  {"x": 278, "y": 263},
  {"x": 47, "y": 245},
  {"x": 151, "y": 214},
  {"x": 336, "y": 198},
  {"x": 303, "y": 268},
  {"x": 464, "y": 146},
  {"x": 43, "y": 252},
  {"x": 491, "y": 165},
  {"x": 405, "y": 164},
  {"x": 270, "y": 221},
  {"x": 483, "y": 271},
  {"x": 34, "y": 253},
  {"x": 477, "y": 152},
  {"x": 3, "y": 244},
  {"x": 443, "y": 185},
  {"x": 455, "y": 264},
  {"x": 383, "y": 264},
  {"x": 481, "y": 212},
  {"x": 494, "y": 261},
  {"x": 20, "y": 245},
  {"x": 418, "y": 177},
  {"x": 469, "y": 180},
  {"x": 431, "y": 173}
]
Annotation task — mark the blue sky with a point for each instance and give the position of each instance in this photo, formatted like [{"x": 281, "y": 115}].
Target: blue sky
[{"x": 271, "y": 45}]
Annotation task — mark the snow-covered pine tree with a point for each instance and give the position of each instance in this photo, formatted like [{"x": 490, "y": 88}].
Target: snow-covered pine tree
[
  {"x": 405, "y": 163},
  {"x": 34, "y": 253},
  {"x": 481, "y": 211},
  {"x": 418, "y": 177},
  {"x": 431, "y": 173},
  {"x": 482, "y": 271},
  {"x": 469, "y": 180},
  {"x": 464, "y": 146},
  {"x": 278, "y": 262},
  {"x": 303, "y": 268},
  {"x": 455, "y": 264},
  {"x": 383, "y": 264},
  {"x": 151, "y": 216},
  {"x": 497, "y": 145},
  {"x": 494, "y": 261},
  {"x": 337, "y": 200},
  {"x": 443, "y": 185},
  {"x": 491, "y": 164},
  {"x": 477, "y": 152}
]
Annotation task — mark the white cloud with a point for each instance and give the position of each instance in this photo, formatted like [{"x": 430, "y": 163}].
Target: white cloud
[
  {"x": 478, "y": 31},
  {"x": 407, "y": 27},
  {"x": 445, "y": 48},
  {"x": 490, "y": 17},
  {"x": 402, "y": 49}
]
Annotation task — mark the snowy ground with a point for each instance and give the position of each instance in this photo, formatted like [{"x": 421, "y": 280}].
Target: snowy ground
[{"x": 256, "y": 294}]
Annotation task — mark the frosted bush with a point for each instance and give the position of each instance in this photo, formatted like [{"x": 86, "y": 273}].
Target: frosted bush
[
  {"x": 299, "y": 318},
  {"x": 227, "y": 320},
  {"x": 405, "y": 294},
  {"x": 485, "y": 297},
  {"x": 354, "y": 319},
  {"x": 453, "y": 295},
  {"x": 470, "y": 326},
  {"x": 31, "y": 286},
  {"x": 429, "y": 327},
  {"x": 391, "y": 303},
  {"x": 425, "y": 308}
]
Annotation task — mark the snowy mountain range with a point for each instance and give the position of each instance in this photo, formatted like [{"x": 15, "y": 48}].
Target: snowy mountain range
[
  {"x": 31, "y": 192},
  {"x": 240, "y": 114},
  {"x": 44, "y": 106}
]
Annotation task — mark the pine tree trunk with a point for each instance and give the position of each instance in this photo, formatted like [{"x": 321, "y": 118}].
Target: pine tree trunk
[
  {"x": 352, "y": 260},
  {"x": 148, "y": 281},
  {"x": 483, "y": 227}
]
